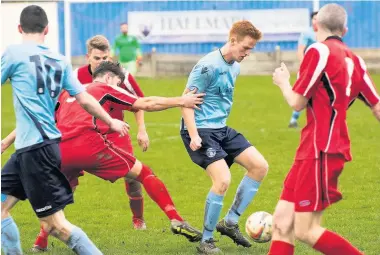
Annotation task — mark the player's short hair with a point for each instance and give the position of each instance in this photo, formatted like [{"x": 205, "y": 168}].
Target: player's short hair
[
  {"x": 33, "y": 19},
  {"x": 98, "y": 42},
  {"x": 245, "y": 28},
  {"x": 110, "y": 67},
  {"x": 313, "y": 14},
  {"x": 333, "y": 18}
]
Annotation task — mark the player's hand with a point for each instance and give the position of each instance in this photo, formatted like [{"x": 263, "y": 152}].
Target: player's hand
[
  {"x": 196, "y": 143},
  {"x": 143, "y": 140},
  {"x": 281, "y": 75},
  {"x": 192, "y": 100},
  {"x": 119, "y": 126}
]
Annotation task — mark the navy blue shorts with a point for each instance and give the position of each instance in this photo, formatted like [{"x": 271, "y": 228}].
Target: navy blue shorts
[
  {"x": 222, "y": 143},
  {"x": 36, "y": 175}
]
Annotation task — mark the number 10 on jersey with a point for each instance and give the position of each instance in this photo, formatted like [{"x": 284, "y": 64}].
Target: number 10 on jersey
[{"x": 46, "y": 77}]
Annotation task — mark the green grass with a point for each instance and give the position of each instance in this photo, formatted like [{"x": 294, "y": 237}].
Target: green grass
[{"x": 261, "y": 114}]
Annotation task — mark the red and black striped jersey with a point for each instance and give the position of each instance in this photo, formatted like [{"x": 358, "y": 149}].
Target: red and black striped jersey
[{"x": 73, "y": 120}]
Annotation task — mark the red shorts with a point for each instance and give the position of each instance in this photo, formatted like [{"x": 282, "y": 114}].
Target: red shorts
[
  {"x": 312, "y": 184},
  {"x": 109, "y": 160}
]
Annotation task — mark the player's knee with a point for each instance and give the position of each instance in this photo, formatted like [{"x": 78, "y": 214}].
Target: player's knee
[
  {"x": 7, "y": 202},
  {"x": 222, "y": 185},
  {"x": 258, "y": 169},
  {"x": 133, "y": 187},
  {"x": 282, "y": 224},
  {"x": 4, "y": 211},
  {"x": 57, "y": 225},
  {"x": 46, "y": 225},
  {"x": 262, "y": 168}
]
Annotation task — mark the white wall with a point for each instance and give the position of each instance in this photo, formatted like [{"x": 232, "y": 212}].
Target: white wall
[{"x": 10, "y": 19}]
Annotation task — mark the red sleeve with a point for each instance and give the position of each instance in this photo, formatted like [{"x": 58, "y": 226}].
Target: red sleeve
[
  {"x": 135, "y": 86},
  {"x": 368, "y": 91},
  {"x": 311, "y": 69},
  {"x": 121, "y": 99}
]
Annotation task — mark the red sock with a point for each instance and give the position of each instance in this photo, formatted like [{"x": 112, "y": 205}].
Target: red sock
[
  {"x": 332, "y": 244},
  {"x": 158, "y": 192},
  {"x": 136, "y": 200},
  {"x": 281, "y": 248},
  {"x": 42, "y": 239}
]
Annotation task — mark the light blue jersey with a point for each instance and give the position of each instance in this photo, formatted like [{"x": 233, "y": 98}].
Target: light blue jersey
[
  {"x": 307, "y": 38},
  {"x": 37, "y": 76},
  {"x": 215, "y": 77}
]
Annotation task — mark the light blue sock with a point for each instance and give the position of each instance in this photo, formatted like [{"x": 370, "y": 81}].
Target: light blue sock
[
  {"x": 244, "y": 195},
  {"x": 295, "y": 116},
  {"x": 214, "y": 203},
  {"x": 81, "y": 244},
  {"x": 10, "y": 237}
]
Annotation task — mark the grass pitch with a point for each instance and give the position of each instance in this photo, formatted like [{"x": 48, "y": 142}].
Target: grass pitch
[{"x": 260, "y": 113}]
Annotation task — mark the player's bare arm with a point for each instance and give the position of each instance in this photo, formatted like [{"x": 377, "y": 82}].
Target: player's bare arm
[
  {"x": 281, "y": 78},
  {"x": 8, "y": 141},
  {"x": 300, "y": 52},
  {"x": 93, "y": 107},
  {"x": 189, "y": 118},
  {"x": 152, "y": 104},
  {"x": 376, "y": 111},
  {"x": 142, "y": 135}
]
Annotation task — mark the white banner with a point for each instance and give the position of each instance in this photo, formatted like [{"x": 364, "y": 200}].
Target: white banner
[{"x": 213, "y": 26}]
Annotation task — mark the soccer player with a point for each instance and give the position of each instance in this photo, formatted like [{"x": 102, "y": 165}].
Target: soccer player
[
  {"x": 214, "y": 146},
  {"x": 305, "y": 40},
  {"x": 33, "y": 172},
  {"x": 129, "y": 50},
  {"x": 85, "y": 143},
  {"x": 330, "y": 75},
  {"x": 98, "y": 50}
]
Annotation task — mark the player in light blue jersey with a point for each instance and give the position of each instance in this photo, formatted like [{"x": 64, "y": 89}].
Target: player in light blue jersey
[
  {"x": 305, "y": 40},
  {"x": 213, "y": 145},
  {"x": 33, "y": 172}
]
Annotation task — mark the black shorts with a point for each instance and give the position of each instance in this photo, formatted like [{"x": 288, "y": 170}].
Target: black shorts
[
  {"x": 222, "y": 143},
  {"x": 36, "y": 175}
]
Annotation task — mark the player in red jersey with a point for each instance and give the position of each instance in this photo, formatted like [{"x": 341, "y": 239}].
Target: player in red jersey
[
  {"x": 329, "y": 74},
  {"x": 85, "y": 143},
  {"x": 98, "y": 50}
]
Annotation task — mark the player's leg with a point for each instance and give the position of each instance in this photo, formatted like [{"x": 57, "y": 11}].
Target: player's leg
[
  {"x": 220, "y": 175},
  {"x": 11, "y": 191},
  {"x": 307, "y": 219},
  {"x": 42, "y": 239},
  {"x": 293, "y": 121},
  {"x": 136, "y": 202},
  {"x": 210, "y": 157},
  {"x": 242, "y": 152},
  {"x": 132, "y": 187},
  {"x": 283, "y": 217},
  {"x": 10, "y": 235},
  {"x": 283, "y": 229},
  {"x": 257, "y": 168},
  {"x": 308, "y": 230},
  {"x": 157, "y": 191},
  {"x": 118, "y": 163},
  {"x": 49, "y": 192}
]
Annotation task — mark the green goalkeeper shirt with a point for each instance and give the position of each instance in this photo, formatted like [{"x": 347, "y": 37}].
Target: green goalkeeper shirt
[{"x": 128, "y": 47}]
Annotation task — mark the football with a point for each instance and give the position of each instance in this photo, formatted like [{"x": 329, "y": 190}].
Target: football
[{"x": 259, "y": 227}]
